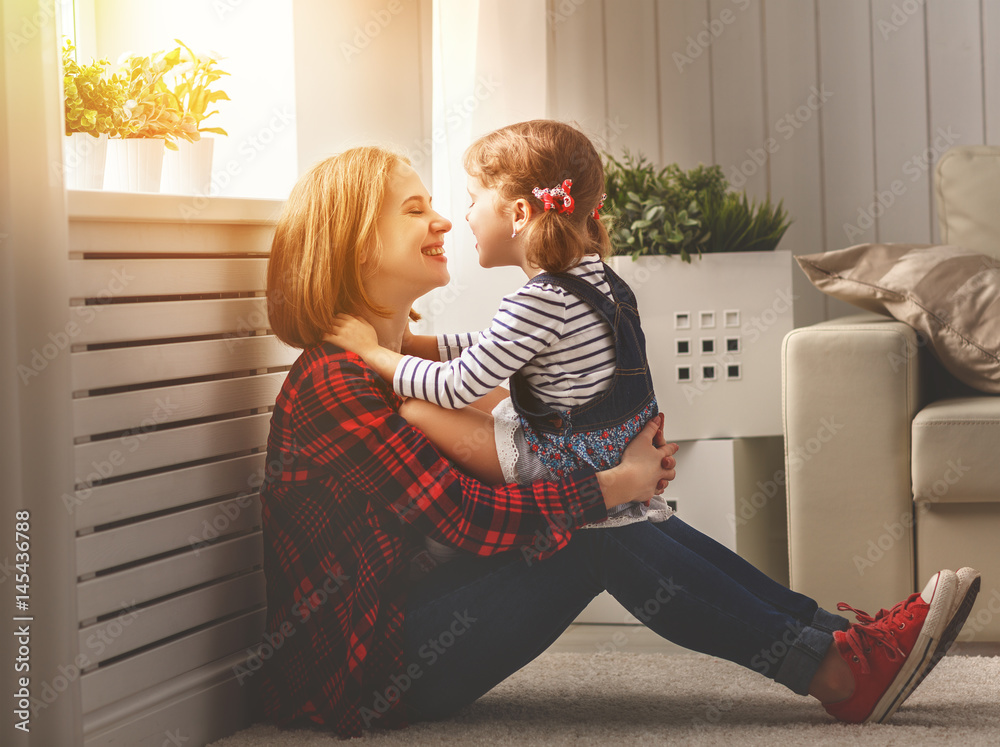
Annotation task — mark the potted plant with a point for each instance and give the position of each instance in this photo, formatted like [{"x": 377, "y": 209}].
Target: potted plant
[
  {"x": 672, "y": 211},
  {"x": 189, "y": 169},
  {"x": 154, "y": 122},
  {"x": 714, "y": 326},
  {"x": 94, "y": 109}
]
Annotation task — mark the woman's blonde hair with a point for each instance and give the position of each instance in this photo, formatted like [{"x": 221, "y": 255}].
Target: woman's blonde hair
[
  {"x": 326, "y": 229},
  {"x": 542, "y": 153}
]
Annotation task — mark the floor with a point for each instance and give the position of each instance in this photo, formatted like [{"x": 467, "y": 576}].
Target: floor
[{"x": 593, "y": 638}]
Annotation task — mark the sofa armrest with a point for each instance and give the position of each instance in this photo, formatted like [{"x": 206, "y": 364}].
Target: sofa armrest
[{"x": 850, "y": 390}]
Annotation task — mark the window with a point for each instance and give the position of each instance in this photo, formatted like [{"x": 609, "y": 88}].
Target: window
[{"x": 259, "y": 157}]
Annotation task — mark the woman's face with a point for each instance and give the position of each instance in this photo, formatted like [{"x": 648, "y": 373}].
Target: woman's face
[
  {"x": 492, "y": 225},
  {"x": 412, "y": 235}
]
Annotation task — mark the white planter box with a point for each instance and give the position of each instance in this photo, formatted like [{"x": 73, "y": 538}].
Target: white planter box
[
  {"x": 713, "y": 338},
  {"x": 733, "y": 490},
  {"x": 84, "y": 159},
  {"x": 188, "y": 170},
  {"x": 135, "y": 164}
]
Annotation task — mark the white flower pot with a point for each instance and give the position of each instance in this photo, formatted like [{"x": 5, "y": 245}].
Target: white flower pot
[
  {"x": 135, "y": 164},
  {"x": 713, "y": 331},
  {"x": 188, "y": 170},
  {"x": 84, "y": 160}
]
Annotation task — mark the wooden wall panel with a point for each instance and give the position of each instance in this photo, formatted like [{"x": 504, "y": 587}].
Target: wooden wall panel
[
  {"x": 686, "y": 115},
  {"x": 738, "y": 97},
  {"x": 139, "y": 584},
  {"x": 146, "y": 409},
  {"x": 236, "y": 351},
  {"x": 118, "y": 237},
  {"x": 105, "y": 278},
  {"x": 954, "y": 81},
  {"x": 117, "y": 501},
  {"x": 632, "y": 78},
  {"x": 145, "y": 625},
  {"x": 899, "y": 61},
  {"x": 138, "y": 452},
  {"x": 119, "y": 680},
  {"x": 847, "y": 119},
  {"x": 577, "y": 65},
  {"x": 848, "y": 144},
  {"x": 991, "y": 69},
  {"x": 794, "y": 100},
  {"x": 109, "y": 548},
  {"x": 896, "y": 76},
  {"x": 166, "y": 319}
]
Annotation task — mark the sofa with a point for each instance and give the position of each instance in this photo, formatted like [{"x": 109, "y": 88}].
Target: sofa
[{"x": 892, "y": 460}]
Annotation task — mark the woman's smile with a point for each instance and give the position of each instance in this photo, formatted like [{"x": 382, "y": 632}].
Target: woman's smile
[{"x": 435, "y": 250}]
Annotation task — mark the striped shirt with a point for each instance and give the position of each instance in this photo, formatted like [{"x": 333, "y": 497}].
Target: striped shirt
[{"x": 565, "y": 349}]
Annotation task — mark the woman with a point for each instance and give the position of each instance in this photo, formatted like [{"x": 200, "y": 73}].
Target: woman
[{"x": 364, "y": 632}]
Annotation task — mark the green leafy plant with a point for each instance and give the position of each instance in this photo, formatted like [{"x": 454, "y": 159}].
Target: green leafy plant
[
  {"x": 193, "y": 87},
  {"x": 95, "y": 102},
  {"x": 154, "y": 111},
  {"x": 673, "y": 211},
  {"x": 739, "y": 225}
]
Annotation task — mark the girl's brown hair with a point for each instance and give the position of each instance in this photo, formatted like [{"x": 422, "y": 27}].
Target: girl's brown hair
[
  {"x": 327, "y": 226},
  {"x": 542, "y": 153}
]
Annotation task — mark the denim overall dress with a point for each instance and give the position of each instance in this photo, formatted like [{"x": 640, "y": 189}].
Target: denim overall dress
[{"x": 597, "y": 431}]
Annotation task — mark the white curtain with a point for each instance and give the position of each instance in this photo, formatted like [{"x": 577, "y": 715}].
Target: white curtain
[
  {"x": 36, "y": 436},
  {"x": 489, "y": 63}
]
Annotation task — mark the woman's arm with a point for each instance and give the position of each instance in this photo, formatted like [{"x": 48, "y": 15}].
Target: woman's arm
[
  {"x": 631, "y": 479},
  {"x": 348, "y": 430}
]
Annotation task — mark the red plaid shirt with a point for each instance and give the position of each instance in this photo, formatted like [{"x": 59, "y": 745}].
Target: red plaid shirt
[{"x": 351, "y": 491}]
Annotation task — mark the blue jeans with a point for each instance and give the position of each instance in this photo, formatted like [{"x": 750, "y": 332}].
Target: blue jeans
[{"x": 473, "y": 622}]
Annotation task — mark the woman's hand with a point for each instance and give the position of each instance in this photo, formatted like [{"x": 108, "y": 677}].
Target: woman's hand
[
  {"x": 646, "y": 468},
  {"x": 353, "y": 334}
]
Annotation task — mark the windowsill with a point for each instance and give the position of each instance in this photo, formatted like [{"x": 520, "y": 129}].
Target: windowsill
[{"x": 97, "y": 205}]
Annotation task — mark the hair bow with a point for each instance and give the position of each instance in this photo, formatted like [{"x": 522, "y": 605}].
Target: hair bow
[
  {"x": 549, "y": 196},
  {"x": 597, "y": 215}
]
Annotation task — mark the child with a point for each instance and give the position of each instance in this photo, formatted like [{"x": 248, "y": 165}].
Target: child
[{"x": 569, "y": 339}]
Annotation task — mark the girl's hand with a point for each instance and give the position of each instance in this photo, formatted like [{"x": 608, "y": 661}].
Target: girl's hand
[
  {"x": 353, "y": 334},
  {"x": 404, "y": 347}
]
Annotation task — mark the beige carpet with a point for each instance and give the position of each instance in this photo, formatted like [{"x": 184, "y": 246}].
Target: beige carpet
[{"x": 633, "y": 699}]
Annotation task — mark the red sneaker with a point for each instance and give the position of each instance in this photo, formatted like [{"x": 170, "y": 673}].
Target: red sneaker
[{"x": 890, "y": 653}]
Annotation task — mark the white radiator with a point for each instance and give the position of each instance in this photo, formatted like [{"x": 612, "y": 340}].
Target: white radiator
[{"x": 174, "y": 376}]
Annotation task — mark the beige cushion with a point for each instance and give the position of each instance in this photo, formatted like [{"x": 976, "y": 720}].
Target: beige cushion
[
  {"x": 967, "y": 182},
  {"x": 955, "y": 445},
  {"x": 950, "y": 295}
]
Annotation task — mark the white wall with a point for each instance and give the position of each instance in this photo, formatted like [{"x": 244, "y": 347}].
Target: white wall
[{"x": 727, "y": 81}]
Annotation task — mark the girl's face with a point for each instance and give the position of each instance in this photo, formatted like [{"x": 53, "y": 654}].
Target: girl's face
[
  {"x": 492, "y": 222},
  {"x": 412, "y": 235}
]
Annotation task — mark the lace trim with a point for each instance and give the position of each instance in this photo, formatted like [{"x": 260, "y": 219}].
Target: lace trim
[
  {"x": 505, "y": 422},
  {"x": 657, "y": 511}
]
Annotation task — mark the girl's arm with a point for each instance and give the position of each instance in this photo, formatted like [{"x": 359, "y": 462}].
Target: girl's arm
[
  {"x": 528, "y": 322},
  {"x": 357, "y": 336},
  {"x": 421, "y": 346},
  {"x": 348, "y": 430}
]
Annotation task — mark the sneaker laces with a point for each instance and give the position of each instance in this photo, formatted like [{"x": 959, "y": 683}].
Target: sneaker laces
[{"x": 879, "y": 631}]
